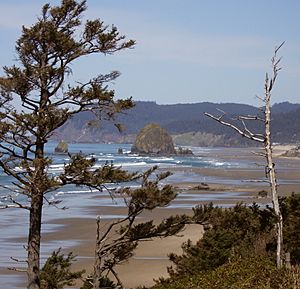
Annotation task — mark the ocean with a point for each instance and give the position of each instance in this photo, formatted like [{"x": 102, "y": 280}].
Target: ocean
[
  {"x": 14, "y": 222},
  {"x": 131, "y": 162}
]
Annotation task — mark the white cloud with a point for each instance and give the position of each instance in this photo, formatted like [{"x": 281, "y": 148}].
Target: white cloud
[
  {"x": 214, "y": 51},
  {"x": 165, "y": 42},
  {"x": 158, "y": 41}
]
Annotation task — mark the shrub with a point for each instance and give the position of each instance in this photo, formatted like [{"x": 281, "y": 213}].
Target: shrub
[
  {"x": 56, "y": 273},
  {"x": 237, "y": 231},
  {"x": 241, "y": 273},
  {"x": 290, "y": 208}
]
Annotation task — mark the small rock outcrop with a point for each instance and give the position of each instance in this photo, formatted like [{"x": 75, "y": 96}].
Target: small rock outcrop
[
  {"x": 184, "y": 151},
  {"x": 61, "y": 148},
  {"x": 294, "y": 153},
  {"x": 262, "y": 194},
  {"x": 153, "y": 139}
]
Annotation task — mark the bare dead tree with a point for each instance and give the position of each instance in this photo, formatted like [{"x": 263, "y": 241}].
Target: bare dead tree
[{"x": 265, "y": 139}]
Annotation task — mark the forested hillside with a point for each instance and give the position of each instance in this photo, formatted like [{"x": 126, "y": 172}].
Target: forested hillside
[{"x": 186, "y": 122}]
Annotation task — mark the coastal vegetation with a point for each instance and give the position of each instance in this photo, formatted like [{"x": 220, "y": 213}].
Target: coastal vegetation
[
  {"x": 41, "y": 81},
  {"x": 241, "y": 125},
  {"x": 238, "y": 250},
  {"x": 241, "y": 245},
  {"x": 240, "y": 273},
  {"x": 116, "y": 243}
]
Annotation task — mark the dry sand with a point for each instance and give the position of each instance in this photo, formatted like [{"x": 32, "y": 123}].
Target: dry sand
[
  {"x": 150, "y": 260},
  {"x": 151, "y": 257}
]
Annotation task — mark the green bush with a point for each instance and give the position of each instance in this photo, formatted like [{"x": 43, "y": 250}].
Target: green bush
[
  {"x": 242, "y": 273},
  {"x": 290, "y": 207},
  {"x": 237, "y": 231},
  {"x": 56, "y": 273}
]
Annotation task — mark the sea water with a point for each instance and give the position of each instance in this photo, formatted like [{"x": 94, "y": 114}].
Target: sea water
[
  {"x": 14, "y": 222},
  {"x": 108, "y": 153}
]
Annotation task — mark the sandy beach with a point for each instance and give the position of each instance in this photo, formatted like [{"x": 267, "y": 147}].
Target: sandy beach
[{"x": 151, "y": 258}]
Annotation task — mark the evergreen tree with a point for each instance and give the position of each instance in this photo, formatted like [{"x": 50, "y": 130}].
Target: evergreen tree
[
  {"x": 41, "y": 82},
  {"x": 116, "y": 244}
]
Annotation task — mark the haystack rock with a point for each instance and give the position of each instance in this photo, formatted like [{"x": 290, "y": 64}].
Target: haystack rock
[
  {"x": 61, "y": 148},
  {"x": 152, "y": 139}
]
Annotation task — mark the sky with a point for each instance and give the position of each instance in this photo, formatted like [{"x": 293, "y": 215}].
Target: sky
[{"x": 186, "y": 51}]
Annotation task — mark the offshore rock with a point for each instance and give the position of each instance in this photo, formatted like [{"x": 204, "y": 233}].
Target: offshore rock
[
  {"x": 153, "y": 139},
  {"x": 184, "y": 151},
  {"x": 294, "y": 153},
  {"x": 61, "y": 148}
]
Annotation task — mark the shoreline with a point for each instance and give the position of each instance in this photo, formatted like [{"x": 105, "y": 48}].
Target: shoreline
[{"x": 150, "y": 259}]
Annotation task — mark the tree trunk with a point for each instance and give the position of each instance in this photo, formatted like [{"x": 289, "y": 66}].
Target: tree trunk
[
  {"x": 97, "y": 265},
  {"x": 273, "y": 182},
  {"x": 266, "y": 140},
  {"x": 35, "y": 219},
  {"x": 97, "y": 272},
  {"x": 34, "y": 242}
]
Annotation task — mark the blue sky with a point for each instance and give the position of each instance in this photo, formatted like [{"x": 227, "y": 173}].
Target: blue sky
[{"x": 187, "y": 51}]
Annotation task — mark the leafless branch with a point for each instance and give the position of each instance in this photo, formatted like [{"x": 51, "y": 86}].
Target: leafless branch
[
  {"x": 54, "y": 203},
  {"x": 17, "y": 269},
  {"x": 249, "y": 117},
  {"x": 19, "y": 205},
  {"x": 18, "y": 261},
  {"x": 270, "y": 171},
  {"x": 116, "y": 276},
  {"x": 256, "y": 181},
  {"x": 261, "y": 99},
  {"x": 243, "y": 133}
]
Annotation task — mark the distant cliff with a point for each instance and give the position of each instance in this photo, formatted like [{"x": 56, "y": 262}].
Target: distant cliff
[{"x": 185, "y": 122}]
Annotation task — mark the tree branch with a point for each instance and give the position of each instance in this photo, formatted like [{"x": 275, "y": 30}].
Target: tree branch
[{"x": 243, "y": 133}]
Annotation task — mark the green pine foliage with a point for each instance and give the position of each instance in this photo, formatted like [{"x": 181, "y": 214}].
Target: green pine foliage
[
  {"x": 56, "y": 273},
  {"x": 290, "y": 207},
  {"x": 238, "y": 249},
  {"x": 237, "y": 231},
  {"x": 42, "y": 82},
  {"x": 242, "y": 273},
  {"x": 116, "y": 244}
]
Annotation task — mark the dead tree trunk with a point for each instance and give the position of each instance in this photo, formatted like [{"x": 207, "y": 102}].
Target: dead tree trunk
[
  {"x": 270, "y": 169},
  {"x": 265, "y": 139}
]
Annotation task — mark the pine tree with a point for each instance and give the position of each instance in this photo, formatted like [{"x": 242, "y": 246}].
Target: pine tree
[{"x": 41, "y": 82}]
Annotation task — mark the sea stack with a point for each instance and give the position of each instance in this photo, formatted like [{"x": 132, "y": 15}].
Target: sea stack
[
  {"x": 153, "y": 139},
  {"x": 61, "y": 148}
]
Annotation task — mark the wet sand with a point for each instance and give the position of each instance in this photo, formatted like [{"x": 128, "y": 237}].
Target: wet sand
[{"x": 150, "y": 260}]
